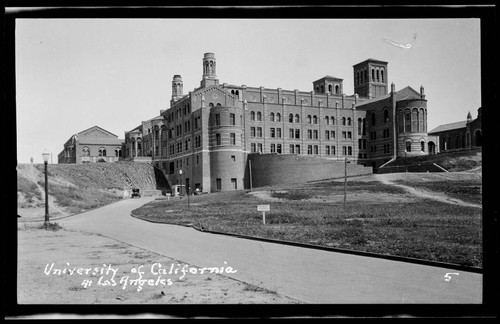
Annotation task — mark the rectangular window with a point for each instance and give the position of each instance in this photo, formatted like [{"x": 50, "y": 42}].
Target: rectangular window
[
  {"x": 219, "y": 183},
  {"x": 273, "y": 148},
  {"x": 232, "y": 120},
  {"x": 291, "y": 132},
  {"x": 344, "y": 134},
  {"x": 332, "y": 134},
  {"x": 309, "y": 149},
  {"x": 259, "y": 147},
  {"x": 217, "y": 119},
  {"x": 273, "y": 132},
  {"x": 253, "y": 147},
  {"x": 327, "y": 151},
  {"x": 349, "y": 134},
  {"x": 327, "y": 135},
  {"x": 297, "y": 133},
  {"x": 259, "y": 131},
  {"x": 234, "y": 185},
  {"x": 292, "y": 151},
  {"x": 315, "y": 134},
  {"x": 197, "y": 159},
  {"x": 278, "y": 132},
  {"x": 217, "y": 139},
  {"x": 278, "y": 148},
  {"x": 316, "y": 149},
  {"x": 252, "y": 131},
  {"x": 233, "y": 138},
  {"x": 333, "y": 150},
  {"x": 344, "y": 150},
  {"x": 309, "y": 133},
  {"x": 297, "y": 149},
  {"x": 349, "y": 150}
]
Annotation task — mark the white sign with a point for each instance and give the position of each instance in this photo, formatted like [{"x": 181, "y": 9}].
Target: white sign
[{"x": 263, "y": 208}]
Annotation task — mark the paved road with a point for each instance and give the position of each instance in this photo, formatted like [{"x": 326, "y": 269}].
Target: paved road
[{"x": 309, "y": 275}]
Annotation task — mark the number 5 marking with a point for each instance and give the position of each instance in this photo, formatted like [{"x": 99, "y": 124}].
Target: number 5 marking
[{"x": 447, "y": 276}]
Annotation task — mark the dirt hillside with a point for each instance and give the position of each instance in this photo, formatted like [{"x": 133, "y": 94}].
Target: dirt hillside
[{"x": 75, "y": 188}]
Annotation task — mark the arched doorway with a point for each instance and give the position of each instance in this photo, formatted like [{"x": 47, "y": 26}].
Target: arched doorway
[{"x": 431, "y": 146}]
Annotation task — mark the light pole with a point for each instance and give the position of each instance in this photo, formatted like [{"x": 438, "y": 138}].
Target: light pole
[
  {"x": 46, "y": 156},
  {"x": 180, "y": 182}
]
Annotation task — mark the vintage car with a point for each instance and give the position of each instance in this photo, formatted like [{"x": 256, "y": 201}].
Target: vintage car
[{"x": 136, "y": 193}]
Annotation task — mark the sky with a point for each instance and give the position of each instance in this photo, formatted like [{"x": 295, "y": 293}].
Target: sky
[{"x": 73, "y": 74}]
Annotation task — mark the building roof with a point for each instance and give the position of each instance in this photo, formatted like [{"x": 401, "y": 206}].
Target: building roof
[
  {"x": 329, "y": 77},
  {"x": 370, "y": 60},
  {"x": 405, "y": 93},
  {"x": 96, "y": 131},
  {"x": 100, "y": 141},
  {"x": 448, "y": 127}
]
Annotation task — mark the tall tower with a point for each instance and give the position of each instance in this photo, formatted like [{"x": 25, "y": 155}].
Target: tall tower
[
  {"x": 176, "y": 88},
  {"x": 209, "y": 71},
  {"x": 370, "y": 78}
]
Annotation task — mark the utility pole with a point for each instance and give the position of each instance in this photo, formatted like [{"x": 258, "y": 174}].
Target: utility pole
[{"x": 345, "y": 181}]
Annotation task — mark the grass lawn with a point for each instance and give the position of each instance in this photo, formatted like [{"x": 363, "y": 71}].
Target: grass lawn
[{"x": 314, "y": 214}]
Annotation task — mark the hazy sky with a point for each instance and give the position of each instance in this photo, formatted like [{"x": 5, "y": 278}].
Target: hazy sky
[{"x": 73, "y": 74}]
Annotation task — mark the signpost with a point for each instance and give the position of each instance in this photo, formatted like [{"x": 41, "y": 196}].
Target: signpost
[{"x": 263, "y": 209}]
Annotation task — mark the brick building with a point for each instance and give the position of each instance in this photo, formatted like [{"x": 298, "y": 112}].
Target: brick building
[
  {"x": 210, "y": 132},
  {"x": 460, "y": 135},
  {"x": 91, "y": 145}
]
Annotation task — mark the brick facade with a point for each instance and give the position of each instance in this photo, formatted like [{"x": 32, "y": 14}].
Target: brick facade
[{"x": 210, "y": 132}]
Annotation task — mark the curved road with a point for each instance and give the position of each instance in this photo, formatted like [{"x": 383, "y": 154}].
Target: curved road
[{"x": 308, "y": 275}]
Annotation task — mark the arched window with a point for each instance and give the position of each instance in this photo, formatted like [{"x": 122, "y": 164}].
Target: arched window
[
  {"x": 102, "y": 151},
  {"x": 337, "y": 89},
  {"x": 85, "y": 151},
  {"x": 378, "y": 76},
  {"x": 278, "y": 117},
  {"x": 421, "y": 120},
  {"x": 408, "y": 121},
  {"x": 211, "y": 105},
  {"x": 360, "y": 126},
  {"x": 290, "y": 118},
  {"x": 478, "y": 135},
  {"x": 349, "y": 121},
  {"x": 322, "y": 89},
  {"x": 271, "y": 117},
  {"x": 414, "y": 120},
  {"x": 330, "y": 88},
  {"x": 218, "y": 104},
  {"x": 382, "y": 75},
  {"x": 386, "y": 116},
  {"x": 327, "y": 119},
  {"x": 422, "y": 146},
  {"x": 364, "y": 126},
  {"x": 297, "y": 118},
  {"x": 374, "y": 120},
  {"x": 343, "y": 121},
  {"x": 118, "y": 152},
  {"x": 252, "y": 115},
  {"x": 315, "y": 119},
  {"x": 366, "y": 75},
  {"x": 309, "y": 120},
  {"x": 259, "y": 116},
  {"x": 317, "y": 89},
  {"x": 408, "y": 146},
  {"x": 332, "y": 120},
  {"x": 373, "y": 75}
]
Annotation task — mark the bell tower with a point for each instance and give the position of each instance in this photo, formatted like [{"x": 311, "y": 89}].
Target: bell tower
[
  {"x": 370, "y": 78},
  {"x": 209, "y": 70}
]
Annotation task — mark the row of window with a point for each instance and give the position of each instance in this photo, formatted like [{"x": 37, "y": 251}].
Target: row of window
[
  {"x": 101, "y": 152},
  {"x": 377, "y": 75},
  {"x": 295, "y": 149}
]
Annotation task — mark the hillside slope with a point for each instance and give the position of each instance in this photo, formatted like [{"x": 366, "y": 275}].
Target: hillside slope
[{"x": 75, "y": 188}]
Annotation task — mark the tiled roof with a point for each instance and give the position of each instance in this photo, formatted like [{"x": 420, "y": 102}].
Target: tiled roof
[{"x": 450, "y": 126}]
